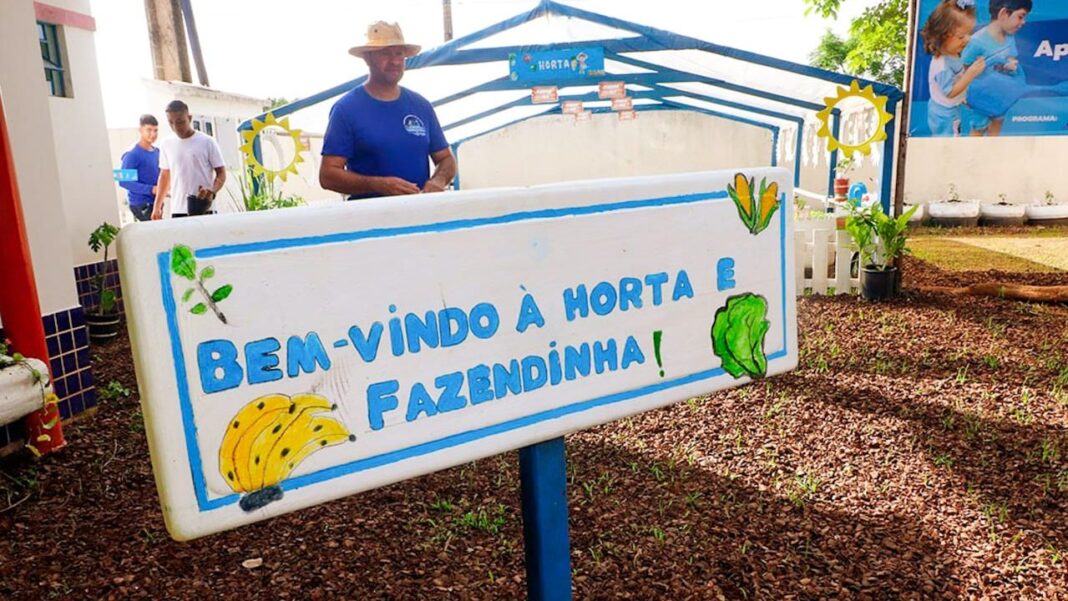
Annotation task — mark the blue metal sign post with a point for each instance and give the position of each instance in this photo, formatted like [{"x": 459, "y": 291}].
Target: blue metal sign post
[{"x": 543, "y": 477}]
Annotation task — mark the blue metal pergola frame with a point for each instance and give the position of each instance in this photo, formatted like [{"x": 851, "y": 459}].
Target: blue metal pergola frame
[
  {"x": 543, "y": 466},
  {"x": 646, "y": 39}
]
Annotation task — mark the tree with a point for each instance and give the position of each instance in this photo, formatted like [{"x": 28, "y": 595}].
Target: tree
[{"x": 875, "y": 47}]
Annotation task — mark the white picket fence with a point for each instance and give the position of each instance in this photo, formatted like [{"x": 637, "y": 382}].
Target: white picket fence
[{"x": 820, "y": 246}]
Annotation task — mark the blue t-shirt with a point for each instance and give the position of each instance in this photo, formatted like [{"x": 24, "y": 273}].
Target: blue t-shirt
[
  {"x": 146, "y": 162},
  {"x": 384, "y": 138},
  {"x": 996, "y": 53}
]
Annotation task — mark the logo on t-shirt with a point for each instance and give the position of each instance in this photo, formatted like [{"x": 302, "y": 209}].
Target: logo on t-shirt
[{"x": 414, "y": 125}]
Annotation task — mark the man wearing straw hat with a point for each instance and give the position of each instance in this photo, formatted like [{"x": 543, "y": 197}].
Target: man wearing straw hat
[{"x": 380, "y": 134}]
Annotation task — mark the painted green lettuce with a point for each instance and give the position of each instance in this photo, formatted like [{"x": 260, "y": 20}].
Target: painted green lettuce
[{"x": 738, "y": 335}]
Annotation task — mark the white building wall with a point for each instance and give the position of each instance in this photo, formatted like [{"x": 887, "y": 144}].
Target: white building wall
[
  {"x": 81, "y": 142},
  {"x": 557, "y": 148},
  {"x": 24, "y": 93},
  {"x": 226, "y": 111}
]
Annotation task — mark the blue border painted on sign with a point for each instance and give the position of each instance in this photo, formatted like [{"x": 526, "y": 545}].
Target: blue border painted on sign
[{"x": 189, "y": 424}]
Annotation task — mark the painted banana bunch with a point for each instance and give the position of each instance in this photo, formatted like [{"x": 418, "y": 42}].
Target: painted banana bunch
[
  {"x": 269, "y": 437},
  {"x": 754, "y": 209}
]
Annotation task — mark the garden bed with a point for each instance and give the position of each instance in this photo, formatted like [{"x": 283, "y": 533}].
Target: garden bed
[{"x": 920, "y": 451}]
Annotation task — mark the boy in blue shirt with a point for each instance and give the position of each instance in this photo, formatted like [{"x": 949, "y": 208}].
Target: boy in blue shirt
[
  {"x": 996, "y": 43},
  {"x": 380, "y": 135},
  {"x": 144, "y": 158}
]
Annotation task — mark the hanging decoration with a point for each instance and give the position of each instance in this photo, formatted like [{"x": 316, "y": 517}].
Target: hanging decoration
[
  {"x": 250, "y": 139},
  {"x": 866, "y": 94}
]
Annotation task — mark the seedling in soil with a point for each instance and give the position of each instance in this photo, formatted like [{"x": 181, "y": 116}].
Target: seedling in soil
[
  {"x": 490, "y": 522},
  {"x": 1050, "y": 451},
  {"x": 805, "y": 487},
  {"x": 962, "y": 375},
  {"x": 943, "y": 460},
  {"x": 991, "y": 361},
  {"x": 113, "y": 390},
  {"x": 658, "y": 534},
  {"x": 692, "y": 498},
  {"x": 442, "y": 505}
]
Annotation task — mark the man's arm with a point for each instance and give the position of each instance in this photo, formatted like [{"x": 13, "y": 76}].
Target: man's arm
[
  {"x": 131, "y": 161},
  {"x": 333, "y": 176},
  {"x": 161, "y": 192},
  {"x": 220, "y": 180},
  {"x": 444, "y": 171}
]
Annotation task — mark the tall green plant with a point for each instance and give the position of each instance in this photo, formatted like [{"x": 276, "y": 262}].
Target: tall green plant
[
  {"x": 881, "y": 239},
  {"x": 258, "y": 193},
  {"x": 102, "y": 237}
]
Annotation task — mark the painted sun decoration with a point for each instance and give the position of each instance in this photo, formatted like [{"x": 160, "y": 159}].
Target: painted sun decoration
[
  {"x": 855, "y": 91},
  {"x": 249, "y": 136}
]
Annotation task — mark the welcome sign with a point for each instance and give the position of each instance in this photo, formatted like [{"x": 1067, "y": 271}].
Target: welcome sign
[{"x": 287, "y": 358}]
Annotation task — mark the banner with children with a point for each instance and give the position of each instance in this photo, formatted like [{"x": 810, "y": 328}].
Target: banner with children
[{"x": 990, "y": 68}]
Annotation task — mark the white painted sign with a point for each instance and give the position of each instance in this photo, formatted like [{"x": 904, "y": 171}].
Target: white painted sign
[{"x": 291, "y": 357}]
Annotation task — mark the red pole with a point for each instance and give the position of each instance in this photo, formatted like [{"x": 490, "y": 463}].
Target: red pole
[{"x": 20, "y": 308}]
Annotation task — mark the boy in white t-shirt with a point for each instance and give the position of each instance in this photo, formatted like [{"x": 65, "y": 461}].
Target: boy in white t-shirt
[{"x": 190, "y": 164}]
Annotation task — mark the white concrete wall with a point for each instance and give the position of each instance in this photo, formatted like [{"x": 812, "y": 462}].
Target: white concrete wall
[
  {"x": 25, "y": 94},
  {"x": 81, "y": 141},
  {"x": 1021, "y": 168},
  {"x": 556, "y": 148}
]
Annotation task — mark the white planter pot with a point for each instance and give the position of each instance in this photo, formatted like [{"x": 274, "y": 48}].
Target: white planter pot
[
  {"x": 1003, "y": 214},
  {"x": 958, "y": 210},
  {"x": 964, "y": 213},
  {"x": 1042, "y": 213},
  {"x": 1002, "y": 211},
  {"x": 19, "y": 394},
  {"x": 917, "y": 217}
]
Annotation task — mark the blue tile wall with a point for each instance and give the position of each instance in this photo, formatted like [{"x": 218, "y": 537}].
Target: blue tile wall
[{"x": 83, "y": 279}]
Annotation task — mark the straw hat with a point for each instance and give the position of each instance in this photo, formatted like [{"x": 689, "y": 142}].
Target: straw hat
[{"x": 384, "y": 35}]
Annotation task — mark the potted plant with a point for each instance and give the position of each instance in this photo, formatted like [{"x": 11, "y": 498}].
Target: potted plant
[
  {"x": 102, "y": 318},
  {"x": 953, "y": 211},
  {"x": 24, "y": 385},
  {"x": 1002, "y": 212},
  {"x": 881, "y": 240},
  {"x": 1048, "y": 211},
  {"x": 841, "y": 183}
]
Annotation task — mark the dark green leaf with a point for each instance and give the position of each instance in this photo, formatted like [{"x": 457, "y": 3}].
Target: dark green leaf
[
  {"x": 182, "y": 262},
  {"x": 222, "y": 292},
  {"x": 738, "y": 335},
  {"x": 199, "y": 309},
  {"x": 107, "y": 301},
  {"x": 207, "y": 273},
  {"x": 187, "y": 295}
]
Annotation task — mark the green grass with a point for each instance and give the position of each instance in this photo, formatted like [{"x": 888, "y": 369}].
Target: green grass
[{"x": 957, "y": 256}]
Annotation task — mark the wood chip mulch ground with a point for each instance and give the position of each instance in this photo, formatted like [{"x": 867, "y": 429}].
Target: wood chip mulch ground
[{"x": 920, "y": 451}]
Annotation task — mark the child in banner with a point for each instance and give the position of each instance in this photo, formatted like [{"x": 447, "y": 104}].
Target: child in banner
[
  {"x": 994, "y": 93},
  {"x": 945, "y": 35}
]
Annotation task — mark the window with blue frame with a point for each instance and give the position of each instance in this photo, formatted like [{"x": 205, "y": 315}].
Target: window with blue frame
[{"x": 52, "y": 54}]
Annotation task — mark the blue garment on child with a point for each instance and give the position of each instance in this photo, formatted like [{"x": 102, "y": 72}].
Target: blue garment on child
[{"x": 994, "y": 92}]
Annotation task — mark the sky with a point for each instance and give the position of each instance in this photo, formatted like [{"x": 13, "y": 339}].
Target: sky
[{"x": 284, "y": 48}]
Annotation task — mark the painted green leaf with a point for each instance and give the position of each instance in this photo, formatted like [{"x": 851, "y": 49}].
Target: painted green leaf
[
  {"x": 222, "y": 292},
  {"x": 187, "y": 295},
  {"x": 182, "y": 262},
  {"x": 207, "y": 273},
  {"x": 738, "y": 335},
  {"x": 199, "y": 309}
]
